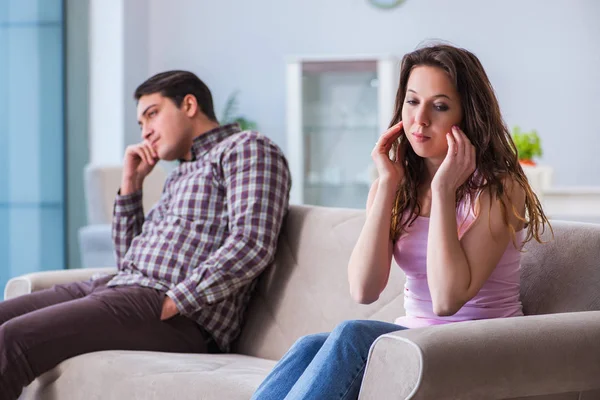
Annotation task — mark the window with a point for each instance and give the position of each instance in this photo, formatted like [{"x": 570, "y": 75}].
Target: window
[{"x": 31, "y": 137}]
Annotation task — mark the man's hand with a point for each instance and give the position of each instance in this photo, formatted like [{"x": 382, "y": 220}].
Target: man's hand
[
  {"x": 139, "y": 161},
  {"x": 169, "y": 309}
]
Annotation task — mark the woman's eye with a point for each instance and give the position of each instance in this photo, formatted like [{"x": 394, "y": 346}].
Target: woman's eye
[
  {"x": 152, "y": 114},
  {"x": 441, "y": 107},
  {"x": 410, "y": 101}
]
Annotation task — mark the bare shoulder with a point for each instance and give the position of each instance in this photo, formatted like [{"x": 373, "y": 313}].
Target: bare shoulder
[
  {"x": 511, "y": 201},
  {"x": 514, "y": 191}
]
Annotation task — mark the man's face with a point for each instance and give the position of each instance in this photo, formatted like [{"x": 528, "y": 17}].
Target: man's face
[{"x": 164, "y": 126}]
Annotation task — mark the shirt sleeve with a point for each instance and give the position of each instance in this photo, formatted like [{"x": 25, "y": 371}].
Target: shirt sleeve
[
  {"x": 128, "y": 218},
  {"x": 257, "y": 183}
]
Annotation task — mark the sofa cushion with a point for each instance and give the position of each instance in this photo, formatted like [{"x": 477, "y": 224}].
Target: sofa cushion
[
  {"x": 151, "y": 375},
  {"x": 306, "y": 290},
  {"x": 562, "y": 274}
]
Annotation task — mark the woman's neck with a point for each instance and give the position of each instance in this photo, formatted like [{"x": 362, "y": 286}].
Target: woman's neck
[{"x": 431, "y": 167}]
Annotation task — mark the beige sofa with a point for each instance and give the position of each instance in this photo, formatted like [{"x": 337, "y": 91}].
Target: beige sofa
[{"x": 553, "y": 353}]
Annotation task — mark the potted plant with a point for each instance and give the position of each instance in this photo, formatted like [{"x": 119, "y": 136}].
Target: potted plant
[
  {"x": 230, "y": 114},
  {"x": 528, "y": 145}
]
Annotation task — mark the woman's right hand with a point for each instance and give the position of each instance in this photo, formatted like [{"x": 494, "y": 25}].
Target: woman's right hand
[{"x": 391, "y": 172}]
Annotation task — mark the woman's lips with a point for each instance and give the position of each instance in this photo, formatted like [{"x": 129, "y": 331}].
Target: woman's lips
[{"x": 420, "y": 138}]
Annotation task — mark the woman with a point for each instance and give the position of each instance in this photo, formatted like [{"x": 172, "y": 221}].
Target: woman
[{"x": 450, "y": 208}]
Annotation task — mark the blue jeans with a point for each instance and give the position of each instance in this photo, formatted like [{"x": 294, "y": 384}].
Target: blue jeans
[{"x": 325, "y": 365}]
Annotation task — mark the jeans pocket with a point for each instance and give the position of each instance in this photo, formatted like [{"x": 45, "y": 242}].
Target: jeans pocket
[{"x": 160, "y": 297}]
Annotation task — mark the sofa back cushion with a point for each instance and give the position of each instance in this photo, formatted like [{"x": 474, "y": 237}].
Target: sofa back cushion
[
  {"x": 562, "y": 275},
  {"x": 306, "y": 289}
]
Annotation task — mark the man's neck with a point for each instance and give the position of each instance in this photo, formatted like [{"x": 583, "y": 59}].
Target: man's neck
[
  {"x": 200, "y": 129},
  {"x": 203, "y": 127}
]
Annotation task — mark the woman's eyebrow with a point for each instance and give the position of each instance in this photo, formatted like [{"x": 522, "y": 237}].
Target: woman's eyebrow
[{"x": 436, "y": 96}]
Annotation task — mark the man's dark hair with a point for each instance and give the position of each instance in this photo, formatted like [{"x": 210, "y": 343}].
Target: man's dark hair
[{"x": 176, "y": 85}]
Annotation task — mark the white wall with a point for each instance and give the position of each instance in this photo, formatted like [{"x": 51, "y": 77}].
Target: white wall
[
  {"x": 136, "y": 62},
  {"x": 118, "y": 50},
  {"x": 106, "y": 49},
  {"x": 543, "y": 56}
]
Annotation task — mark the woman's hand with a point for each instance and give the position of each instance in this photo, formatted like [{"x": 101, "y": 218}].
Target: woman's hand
[
  {"x": 391, "y": 172},
  {"x": 458, "y": 165}
]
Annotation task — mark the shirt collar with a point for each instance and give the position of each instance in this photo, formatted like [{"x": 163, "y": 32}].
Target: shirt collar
[{"x": 210, "y": 139}]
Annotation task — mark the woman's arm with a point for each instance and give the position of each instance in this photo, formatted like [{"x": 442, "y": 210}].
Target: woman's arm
[
  {"x": 369, "y": 266},
  {"x": 457, "y": 269}
]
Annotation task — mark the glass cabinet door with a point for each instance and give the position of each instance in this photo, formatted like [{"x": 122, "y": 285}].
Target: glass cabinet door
[{"x": 340, "y": 118}]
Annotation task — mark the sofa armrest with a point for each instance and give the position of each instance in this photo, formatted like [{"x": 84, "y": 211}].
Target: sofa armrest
[
  {"x": 491, "y": 359},
  {"x": 33, "y": 282}
]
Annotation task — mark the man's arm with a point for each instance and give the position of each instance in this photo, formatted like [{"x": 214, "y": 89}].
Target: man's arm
[
  {"x": 128, "y": 218},
  {"x": 257, "y": 184},
  {"x": 128, "y": 213}
]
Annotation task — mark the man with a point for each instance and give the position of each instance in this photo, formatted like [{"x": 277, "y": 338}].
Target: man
[{"x": 186, "y": 270}]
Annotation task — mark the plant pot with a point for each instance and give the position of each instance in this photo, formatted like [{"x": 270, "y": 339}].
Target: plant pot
[
  {"x": 539, "y": 177},
  {"x": 528, "y": 162}
]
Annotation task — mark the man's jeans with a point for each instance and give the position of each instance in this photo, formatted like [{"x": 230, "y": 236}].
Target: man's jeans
[
  {"x": 325, "y": 365},
  {"x": 39, "y": 330}
]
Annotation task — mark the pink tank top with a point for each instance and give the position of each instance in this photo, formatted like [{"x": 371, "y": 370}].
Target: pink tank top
[{"x": 498, "y": 298}]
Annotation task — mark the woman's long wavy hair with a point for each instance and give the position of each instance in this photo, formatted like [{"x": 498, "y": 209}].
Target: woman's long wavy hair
[{"x": 496, "y": 155}]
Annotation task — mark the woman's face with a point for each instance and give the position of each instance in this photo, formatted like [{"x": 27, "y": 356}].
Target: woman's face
[{"x": 431, "y": 107}]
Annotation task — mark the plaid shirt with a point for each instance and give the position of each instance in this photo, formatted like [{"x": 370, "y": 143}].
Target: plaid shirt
[{"x": 213, "y": 231}]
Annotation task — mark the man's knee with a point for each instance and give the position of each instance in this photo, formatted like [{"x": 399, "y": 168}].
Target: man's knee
[{"x": 11, "y": 333}]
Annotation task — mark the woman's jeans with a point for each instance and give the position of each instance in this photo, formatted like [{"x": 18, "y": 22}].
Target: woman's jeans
[{"x": 325, "y": 365}]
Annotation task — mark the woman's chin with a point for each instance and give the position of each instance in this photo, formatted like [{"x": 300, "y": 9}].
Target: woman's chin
[
  {"x": 428, "y": 154},
  {"x": 423, "y": 153}
]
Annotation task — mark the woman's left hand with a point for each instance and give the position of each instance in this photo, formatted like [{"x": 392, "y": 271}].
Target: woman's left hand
[{"x": 458, "y": 165}]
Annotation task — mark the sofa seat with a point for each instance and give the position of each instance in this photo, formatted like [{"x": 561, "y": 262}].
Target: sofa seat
[{"x": 151, "y": 375}]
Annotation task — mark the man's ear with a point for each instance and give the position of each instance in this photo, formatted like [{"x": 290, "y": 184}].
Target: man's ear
[{"x": 189, "y": 105}]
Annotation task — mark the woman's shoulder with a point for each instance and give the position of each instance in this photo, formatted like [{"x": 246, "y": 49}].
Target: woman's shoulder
[
  {"x": 510, "y": 192},
  {"x": 503, "y": 187},
  {"x": 505, "y": 199}
]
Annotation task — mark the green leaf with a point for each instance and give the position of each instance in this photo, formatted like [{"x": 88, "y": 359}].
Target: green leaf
[
  {"x": 528, "y": 144},
  {"x": 230, "y": 114},
  {"x": 231, "y": 107}
]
